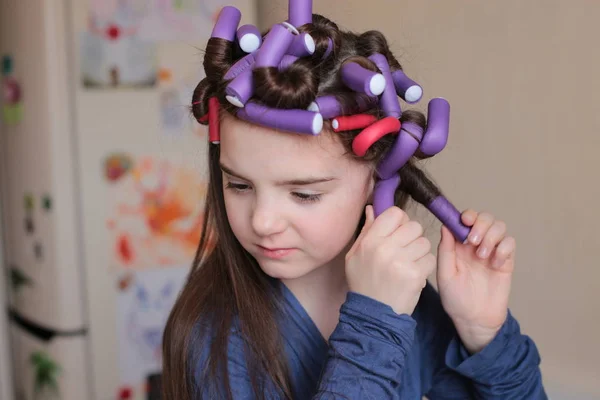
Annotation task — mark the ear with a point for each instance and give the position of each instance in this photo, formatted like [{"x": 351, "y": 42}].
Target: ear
[{"x": 371, "y": 187}]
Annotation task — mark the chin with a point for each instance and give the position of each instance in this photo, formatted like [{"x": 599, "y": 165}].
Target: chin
[{"x": 284, "y": 270}]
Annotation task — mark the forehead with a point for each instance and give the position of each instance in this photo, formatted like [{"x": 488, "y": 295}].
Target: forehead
[{"x": 251, "y": 148}]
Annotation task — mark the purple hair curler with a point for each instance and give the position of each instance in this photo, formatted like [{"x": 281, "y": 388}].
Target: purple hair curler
[
  {"x": 330, "y": 107},
  {"x": 249, "y": 38},
  {"x": 438, "y": 125},
  {"x": 292, "y": 120},
  {"x": 383, "y": 198},
  {"x": 362, "y": 80},
  {"x": 409, "y": 90},
  {"x": 450, "y": 217},
  {"x": 389, "y": 99},
  {"x": 300, "y": 12},
  {"x": 404, "y": 147},
  {"x": 227, "y": 23},
  {"x": 384, "y": 192},
  {"x": 303, "y": 45},
  {"x": 275, "y": 45},
  {"x": 240, "y": 89},
  {"x": 286, "y": 61},
  {"x": 244, "y": 63}
]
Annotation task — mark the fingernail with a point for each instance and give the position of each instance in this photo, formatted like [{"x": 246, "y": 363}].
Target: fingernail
[
  {"x": 474, "y": 239},
  {"x": 497, "y": 263},
  {"x": 483, "y": 252}
]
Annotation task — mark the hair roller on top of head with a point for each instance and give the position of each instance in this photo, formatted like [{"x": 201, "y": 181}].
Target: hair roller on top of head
[
  {"x": 243, "y": 64},
  {"x": 402, "y": 150},
  {"x": 300, "y": 12},
  {"x": 249, "y": 38},
  {"x": 286, "y": 61},
  {"x": 227, "y": 23},
  {"x": 352, "y": 122},
  {"x": 438, "y": 125},
  {"x": 409, "y": 90},
  {"x": 301, "y": 121},
  {"x": 362, "y": 80},
  {"x": 213, "y": 120},
  {"x": 373, "y": 133},
  {"x": 303, "y": 45},
  {"x": 389, "y": 99},
  {"x": 275, "y": 46},
  {"x": 329, "y": 106}
]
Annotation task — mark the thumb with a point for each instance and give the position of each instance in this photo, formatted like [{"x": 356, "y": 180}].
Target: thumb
[{"x": 446, "y": 255}]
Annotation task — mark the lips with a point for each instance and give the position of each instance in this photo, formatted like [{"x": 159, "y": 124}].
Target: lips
[
  {"x": 275, "y": 253},
  {"x": 273, "y": 248}
]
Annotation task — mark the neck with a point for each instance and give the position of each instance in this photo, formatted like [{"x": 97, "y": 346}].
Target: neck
[{"x": 322, "y": 292}]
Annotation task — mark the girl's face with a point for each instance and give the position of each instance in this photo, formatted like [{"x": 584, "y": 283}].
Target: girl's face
[{"x": 293, "y": 201}]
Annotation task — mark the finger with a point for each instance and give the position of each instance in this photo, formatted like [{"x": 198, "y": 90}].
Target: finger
[
  {"x": 447, "y": 242},
  {"x": 417, "y": 249},
  {"x": 427, "y": 264},
  {"x": 483, "y": 222},
  {"x": 469, "y": 216},
  {"x": 504, "y": 251},
  {"x": 446, "y": 255},
  {"x": 406, "y": 234},
  {"x": 388, "y": 221},
  {"x": 491, "y": 239}
]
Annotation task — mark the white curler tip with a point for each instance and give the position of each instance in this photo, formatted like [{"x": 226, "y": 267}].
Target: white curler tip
[
  {"x": 413, "y": 94},
  {"x": 310, "y": 43},
  {"x": 317, "y": 124},
  {"x": 234, "y": 100},
  {"x": 335, "y": 124},
  {"x": 249, "y": 43},
  {"x": 313, "y": 107},
  {"x": 290, "y": 27},
  {"x": 377, "y": 84}
]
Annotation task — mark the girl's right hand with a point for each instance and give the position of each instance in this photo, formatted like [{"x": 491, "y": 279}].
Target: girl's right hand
[{"x": 390, "y": 260}]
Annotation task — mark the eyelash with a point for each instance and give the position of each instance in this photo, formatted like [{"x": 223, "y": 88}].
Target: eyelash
[{"x": 302, "y": 197}]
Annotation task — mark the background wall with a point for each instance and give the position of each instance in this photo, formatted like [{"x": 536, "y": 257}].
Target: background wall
[{"x": 521, "y": 78}]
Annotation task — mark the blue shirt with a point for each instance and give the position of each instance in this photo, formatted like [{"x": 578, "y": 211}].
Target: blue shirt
[{"x": 374, "y": 353}]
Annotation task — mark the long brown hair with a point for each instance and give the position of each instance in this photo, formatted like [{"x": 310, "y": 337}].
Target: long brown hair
[{"x": 226, "y": 286}]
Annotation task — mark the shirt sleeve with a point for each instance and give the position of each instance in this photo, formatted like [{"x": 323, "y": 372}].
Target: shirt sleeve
[
  {"x": 507, "y": 368},
  {"x": 367, "y": 353}
]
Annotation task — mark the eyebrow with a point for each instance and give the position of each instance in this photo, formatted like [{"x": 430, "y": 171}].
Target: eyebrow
[{"x": 292, "y": 182}]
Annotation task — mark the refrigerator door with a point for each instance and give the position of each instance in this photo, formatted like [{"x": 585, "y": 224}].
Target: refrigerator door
[
  {"x": 42, "y": 242},
  {"x": 6, "y": 390},
  {"x": 49, "y": 368}
]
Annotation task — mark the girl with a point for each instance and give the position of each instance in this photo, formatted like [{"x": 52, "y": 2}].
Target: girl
[{"x": 297, "y": 290}]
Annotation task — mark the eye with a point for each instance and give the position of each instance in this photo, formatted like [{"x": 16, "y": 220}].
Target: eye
[
  {"x": 237, "y": 187},
  {"x": 307, "y": 197}
]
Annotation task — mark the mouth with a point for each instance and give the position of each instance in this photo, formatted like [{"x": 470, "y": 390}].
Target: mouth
[{"x": 275, "y": 253}]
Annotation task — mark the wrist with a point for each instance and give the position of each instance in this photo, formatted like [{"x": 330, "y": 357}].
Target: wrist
[{"x": 476, "y": 337}]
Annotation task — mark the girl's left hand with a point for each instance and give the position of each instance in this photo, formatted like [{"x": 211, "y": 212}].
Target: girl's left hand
[{"x": 474, "y": 278}]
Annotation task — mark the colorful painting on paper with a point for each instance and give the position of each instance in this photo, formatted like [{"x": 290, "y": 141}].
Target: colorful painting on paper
[
  {"x": 112, "y": 52},
  {"x": 142, "y": 311},
  {"x": 162, "y": 20},
  {"x": 156, "y": 212}
]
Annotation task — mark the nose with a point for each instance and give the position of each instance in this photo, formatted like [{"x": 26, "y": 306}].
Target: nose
[{"x": 267, "y": 219}]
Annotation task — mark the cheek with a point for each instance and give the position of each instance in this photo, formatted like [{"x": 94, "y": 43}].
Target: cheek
[
  {"x": 334, "y": 226},
  {"x": 235, "y": 213}
]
